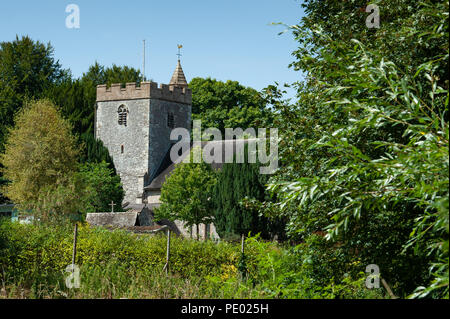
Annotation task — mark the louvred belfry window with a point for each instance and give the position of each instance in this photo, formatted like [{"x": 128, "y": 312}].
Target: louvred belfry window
[
  {"x": 170, "y": 120},
  {"x": 123, "y": 114}
]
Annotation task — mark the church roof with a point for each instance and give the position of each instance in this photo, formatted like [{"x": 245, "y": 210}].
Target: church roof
[
  {"x": 168, "y": 166},
  {"x": 124, "y": 219},
  {"x": 178, "y": 78}
]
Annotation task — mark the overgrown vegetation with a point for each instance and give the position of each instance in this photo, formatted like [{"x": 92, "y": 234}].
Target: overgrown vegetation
[
  {"x": 117, "y": 264},
  {"x": 41, "y": 77},
  {"x": 41, "y": 161},
  {"x": 228, "y": 104},
  {"x": 238, "y": 182},
  {"x": 363, "y": 179},
  {"x": 365, "y": 148},
  {"x": 187, "y": 195}
]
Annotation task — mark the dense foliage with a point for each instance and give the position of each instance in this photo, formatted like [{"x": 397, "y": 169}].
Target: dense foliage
[
  {"x": 187, "y": 194},
  {"x": 365, "y": 148},
  {"x": 228, "y": 105},
  {"x": 103, "y": 186},
  {"x": 237, "y": 183},
  {"x": 27, "y": 70},
  {"x": 116, "y": 264},
  {"x": 40, "y": 159},
  {"x": 95, "y": 152}
]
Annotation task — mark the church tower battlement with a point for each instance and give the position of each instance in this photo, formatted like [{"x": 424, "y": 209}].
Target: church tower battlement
[
  {"x": 134, "y": 122},
  {"x": 146, "y": 90}
]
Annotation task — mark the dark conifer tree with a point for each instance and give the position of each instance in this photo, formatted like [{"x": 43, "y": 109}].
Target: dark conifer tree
[
  {"x": 236, "y": 182},
  {"x": 95, "y": 151}
]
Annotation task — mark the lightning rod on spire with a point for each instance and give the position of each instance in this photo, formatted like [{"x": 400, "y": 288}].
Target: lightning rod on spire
[{"x": 143, "y": 64}]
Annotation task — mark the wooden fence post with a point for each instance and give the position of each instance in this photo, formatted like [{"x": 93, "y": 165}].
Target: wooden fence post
[
  {"x": 242, "y": 266},
  {"x": 74, "y": 251},
  {"x": 166, "y": 266}
]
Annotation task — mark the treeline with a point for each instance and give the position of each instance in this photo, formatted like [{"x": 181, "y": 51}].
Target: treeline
[
  {"x": 28, "y": 71},
  {"x": 364, "y": 149},
  {"x": 364, "y": 175}
]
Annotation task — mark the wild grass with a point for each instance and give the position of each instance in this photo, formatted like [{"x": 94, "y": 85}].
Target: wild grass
[{"x": 118, "y": 264}]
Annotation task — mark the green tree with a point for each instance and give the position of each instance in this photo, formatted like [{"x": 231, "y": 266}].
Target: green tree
[
  {"x": 103, "y": 186},
  {"x": 77, "y": 99},
  {"x": 95, "y": 152},
  {"x": 365, "y": 149},
  {"x": 228, "y": 104},
  {"x": 27, "y": 69},
  {"x": 186, "y": 194},
  {"x": 238, "y": 184},
  {"x": 40, "y": 161},
  {"x": 3, "y": 182}
]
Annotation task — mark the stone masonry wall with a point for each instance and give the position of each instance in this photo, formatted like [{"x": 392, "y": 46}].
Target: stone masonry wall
[
  {"x": 134, "y": 137},
  {"x": 160, "y": 132},
  {"x": 146, "y": 137}
]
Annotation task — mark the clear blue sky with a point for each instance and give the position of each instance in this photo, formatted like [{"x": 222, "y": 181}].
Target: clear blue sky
[{"x": 228, "y": 39}]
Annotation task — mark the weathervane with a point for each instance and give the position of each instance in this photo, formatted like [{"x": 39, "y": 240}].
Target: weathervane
[{"x": 179, "y": 51}]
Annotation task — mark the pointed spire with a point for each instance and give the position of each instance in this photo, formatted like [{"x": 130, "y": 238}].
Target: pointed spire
[{"x": 178, "y": 78}]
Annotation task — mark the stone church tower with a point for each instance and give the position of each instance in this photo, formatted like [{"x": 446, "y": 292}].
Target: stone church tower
[{"x": 134, "y": 123}]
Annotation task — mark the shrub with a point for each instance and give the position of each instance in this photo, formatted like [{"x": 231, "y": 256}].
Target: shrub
[{"x": 116, "y": 264}]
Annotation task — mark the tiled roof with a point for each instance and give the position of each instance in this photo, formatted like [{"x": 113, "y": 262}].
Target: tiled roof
[
  {"x": 124, "y": 219},
  {"x": 178, "y": 78},
  {"x": 168, "y": 166}
]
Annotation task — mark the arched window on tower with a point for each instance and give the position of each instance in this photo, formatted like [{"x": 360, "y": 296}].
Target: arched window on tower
[
  {"x": 170, "y": 120},
  {"x": 123, "y": 114}
]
